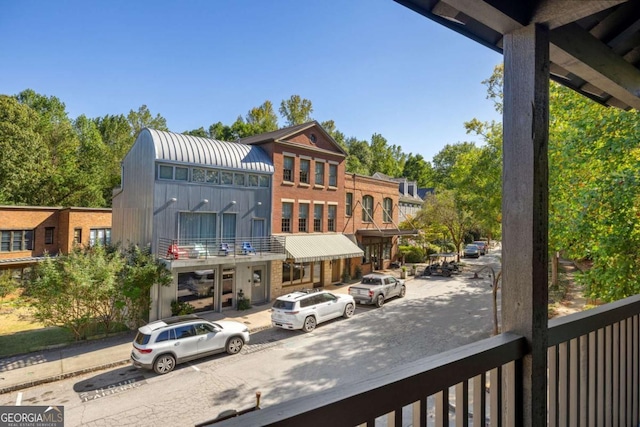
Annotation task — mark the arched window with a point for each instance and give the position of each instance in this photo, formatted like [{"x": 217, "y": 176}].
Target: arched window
[
  {"x": 367, "y": 209},
  {"x": 387, "y": 213}
]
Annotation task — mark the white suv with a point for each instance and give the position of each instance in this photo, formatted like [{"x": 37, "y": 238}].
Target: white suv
[
  {"x": 162, "y": 344},
  {"x": 305, "y": 309}
]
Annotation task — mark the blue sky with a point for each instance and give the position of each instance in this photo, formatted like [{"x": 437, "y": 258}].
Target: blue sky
[{"x": 372, "y": 66}]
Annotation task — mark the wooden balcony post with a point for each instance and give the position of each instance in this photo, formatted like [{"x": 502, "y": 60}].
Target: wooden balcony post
[{"x": 525, "y": 213}]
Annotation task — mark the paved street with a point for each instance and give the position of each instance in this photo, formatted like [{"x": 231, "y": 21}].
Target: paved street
[{"x": 437, "y": 314}]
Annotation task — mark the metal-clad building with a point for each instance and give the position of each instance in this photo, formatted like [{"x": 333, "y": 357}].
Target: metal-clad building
[{"x": 198, "y": 202}]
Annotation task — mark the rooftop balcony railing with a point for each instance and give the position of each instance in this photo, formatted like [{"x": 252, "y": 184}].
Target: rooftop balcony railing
[
  {"x": 193, "y": 248},
  {"x": 593, "y": 380}
]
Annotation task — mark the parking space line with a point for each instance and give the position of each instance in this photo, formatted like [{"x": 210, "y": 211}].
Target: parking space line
[{"x": 19, "y": 399}]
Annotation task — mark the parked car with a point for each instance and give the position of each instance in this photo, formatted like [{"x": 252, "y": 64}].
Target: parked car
[
  {"x": 163, "y": 344},
  {"x": 471, "y": 251},
  {"x": 377, "y": 288},
  {"x": 306, "y": 309},
  {"x": 482, "y": 246}
]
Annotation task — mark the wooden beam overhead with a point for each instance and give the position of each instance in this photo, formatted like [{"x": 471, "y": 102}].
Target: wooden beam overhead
[
  {"x": 577, "y": 51},
  {"x": 556, "y": 13}
]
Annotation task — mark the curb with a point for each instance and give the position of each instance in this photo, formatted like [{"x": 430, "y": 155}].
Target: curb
[
  {"x": 63, "y": 376},
  {"x": 66, "y": 375}
]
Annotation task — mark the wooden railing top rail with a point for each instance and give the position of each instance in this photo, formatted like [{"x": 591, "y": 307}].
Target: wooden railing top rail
[
  {"x": 355, "y": 403},
  {"x": 575, "y": 325}
]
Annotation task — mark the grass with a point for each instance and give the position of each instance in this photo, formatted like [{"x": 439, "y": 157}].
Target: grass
[{"x": 34, "y": 340}]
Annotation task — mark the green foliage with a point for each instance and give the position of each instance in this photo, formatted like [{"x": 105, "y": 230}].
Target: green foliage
[
  {"x": 412, "y": 254},
  {"x": 7, "y": 284},
  {"x": 95, "y": 285},
  {"x": 416, "y": 168},
  {"x": 180, "y": 308},
  {"x": 296, "y": 110}
]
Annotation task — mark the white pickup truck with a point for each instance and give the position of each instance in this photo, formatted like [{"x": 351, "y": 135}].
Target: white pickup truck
[{"x": 376, "y": 288}]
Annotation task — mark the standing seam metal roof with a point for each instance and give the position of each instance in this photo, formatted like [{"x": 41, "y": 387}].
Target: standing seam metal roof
[{"x": 176, "y": 147}]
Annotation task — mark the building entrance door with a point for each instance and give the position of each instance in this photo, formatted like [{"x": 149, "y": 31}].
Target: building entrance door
[
  {"x": 228, "y": 288},
  {"x": 258, "y": 287}
]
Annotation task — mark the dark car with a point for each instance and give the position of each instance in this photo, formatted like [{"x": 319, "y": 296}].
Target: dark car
[{"x": 471, "y": 251}]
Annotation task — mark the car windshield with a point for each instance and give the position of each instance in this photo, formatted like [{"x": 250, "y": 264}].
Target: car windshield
[
  {"x": 283, "y": 305},
  {"x": 142, "y": 339},
  {"x": 472, "y": 247}
]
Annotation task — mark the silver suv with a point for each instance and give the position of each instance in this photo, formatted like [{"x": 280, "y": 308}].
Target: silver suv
[
  {"x": 305, "y": 309},
  {"x": 162, "y": 344}
]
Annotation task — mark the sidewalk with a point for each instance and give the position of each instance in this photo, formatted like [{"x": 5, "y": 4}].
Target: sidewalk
[{"x": 28, "y": 370}]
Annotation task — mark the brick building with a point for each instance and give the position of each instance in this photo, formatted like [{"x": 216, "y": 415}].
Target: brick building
[
  {"x": 372, "y": 215},
  {"x": 308, "y": 206},
  {"x": 28, "y": 232}
]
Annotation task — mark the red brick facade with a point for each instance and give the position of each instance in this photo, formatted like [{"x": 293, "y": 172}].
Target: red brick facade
[
  {"x": 57, "y": 224},
  {"x": 380, "y": 248}
]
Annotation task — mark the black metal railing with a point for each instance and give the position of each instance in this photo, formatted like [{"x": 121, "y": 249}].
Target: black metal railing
[{"x": 189, "y": 248}]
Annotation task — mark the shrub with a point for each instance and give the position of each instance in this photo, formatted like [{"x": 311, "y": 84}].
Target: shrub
[
  {"x": 7, "y": 284},
  {"x": 179, "y": 308},
  {"x": 412, "y": 254}
]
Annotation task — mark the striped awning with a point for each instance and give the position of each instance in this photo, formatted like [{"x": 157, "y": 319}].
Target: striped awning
[{"x": 320, "y": 247}]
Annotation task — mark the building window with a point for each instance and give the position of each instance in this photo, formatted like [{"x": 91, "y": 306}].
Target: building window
[
  {"x": 367, "y": 209},
  {"x": 287, "y": 173},
  {"x": 303, "y": 215},
  {"x": 333, "y": 175},
  {"x": 287, "y": 213},
  {"x": 182, "y": 174},
  {"x": 331, "y": 217},
  {"x": 99, "y": 236},
  {"x": 229, "y": 227},
  {"x": 48, "y": 235},
  {"x": 253, "y": 180},
  {"x": 198, "y": 175},
  {"x": 300, "y": 273},
  {"x": 213, "y": 177},
  {"x": 304, "y": 171},
  {"x": 264, "y": 181},
  {"x": 320, "y": 173},
  {"x": 77, "y": 236},
  {"x": 387, "y": 212},
  {"x": 226, "y": 178},
  {"x": 238, "y": 179},
  {"x": 175, "y": 173},
  {"x": 196, "y": 226},
  {"x": 16, "y": 240},
  {"x": 348, "y": 206},
  {"x": 317, "y": 218}
]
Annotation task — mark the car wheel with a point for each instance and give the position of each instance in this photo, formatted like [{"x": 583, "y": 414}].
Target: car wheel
[
  {"x": 349, "y": 310},
  {"x": 380, "y": 300},
  {"x": 309, "y": 324},
  {"x": 403, "y": 291},
  {"x": 427, "y": 272},
  {"x": 164, "y": 364},
  {"x": 446, "y": 273},
  {"x": 234, "y": 345}
]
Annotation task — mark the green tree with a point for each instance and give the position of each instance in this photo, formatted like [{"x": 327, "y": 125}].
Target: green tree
[
  {"x": 197, "y": 132},
  {"x": 24, "y": 158},
  {"x": 594, "y": 179},
  {"x": 386, "y": 159},
  {"x": 92, "y": 174},
  {"x": 360, "y": 156},
  {"x": 261, "y": 119},
  {"x": 330, "y": 127},
  {"x": 143, "y": 118},
  {"x": 296, "y": 110},
  {"x": 416, "y": 168},
  {"x": 98, "y": 285},
  {"x": 441, "y": 210},
  {"x": 445, "y": 160}
]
